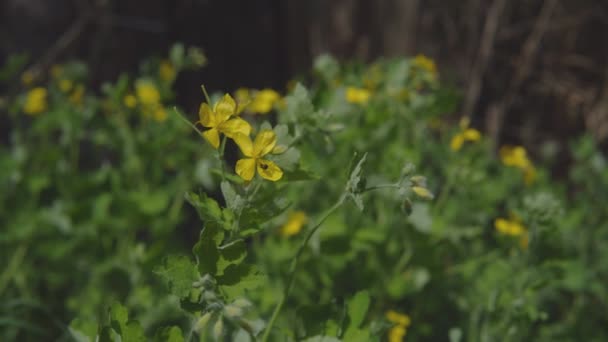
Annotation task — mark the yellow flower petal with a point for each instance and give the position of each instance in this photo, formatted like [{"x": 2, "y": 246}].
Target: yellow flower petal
[
  {"x": 245, "y": 168},
  {"x": 357, "y": 95},
  {"x": 398, "y": 318},
  {"x": 206, "y": 116},
  {"x": 464, "y": 122},
  {"x": 130, "y": 101},
  {"x": 244, "y": 143},
  {"x": 269, "y": 170},
  {"x": 295, "y": 221},
  {"x": 234, "y": 126},
  {"x": 225, "y": 107},
  {"x": 35, "y": 101},
  {"x": 160, "y": 114},
  {"x": 471, "y": 134},
  {"x": 501, "y": 225},
  {"x": 213, "y": 137},
  {"x": 264, "y": 142},
  {"x": 397, "y": 333},
  {"x": 456, "y": 142}
]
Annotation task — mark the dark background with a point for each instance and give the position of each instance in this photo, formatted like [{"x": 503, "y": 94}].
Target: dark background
[{"x": 528, "y": 70}]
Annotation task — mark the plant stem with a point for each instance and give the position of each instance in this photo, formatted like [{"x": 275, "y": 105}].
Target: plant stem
[{"x": 294, "y": 266}]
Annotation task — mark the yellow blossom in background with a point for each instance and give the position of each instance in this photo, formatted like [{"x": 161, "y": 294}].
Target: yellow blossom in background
[
  {"x": 242, "y": 97},
  {"x": 147, "y": 94},
  {"x": 167, "y": 71},
  {"x": 130, "y": 101},
  {"x": 222, "y": 119},
  {"x": 77, "y": 95},
  {"x": 514, "y": 228},
  {"x": 465, "y": 134},
  {"x": 264, "y": 100},
  {"x": 401, "y": 321},
  {"x": 65, "y": 85},
  {"x": 35, "y": 101},
  {"x": 160, "y": 114},
  {"x": 372, "y": 77},
  {"x": 398, "y": 318},
  {"x": 357, "y": 95},
  {"x": 516, "y": 156},
  {"x": 264, "y": 143},
  {"x": 397, "y": 333},
  {"x": 425, "y": 63},
  {"x": 27, "y": 78},
  {"x": 295, "y": 221}
]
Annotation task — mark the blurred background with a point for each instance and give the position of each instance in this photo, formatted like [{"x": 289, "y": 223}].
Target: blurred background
[{"x": 527, "y": 70}]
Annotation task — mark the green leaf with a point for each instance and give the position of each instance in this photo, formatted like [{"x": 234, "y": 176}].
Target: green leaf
[
  {"x": 239, "y": 278},
  {"x": 151, "y": 203},
  {"x": 232, "y": 198},
  {"x": 178, "y": 273},
  {"x": 357, "y": 308},
  {"x": 231, "y": 254},
  {"x": 205, "y": 250},
  {"x": 83, "y": 330},
  {"x": 169, "y": 334},
  {"x": 128, "y": 330},
  {"x": 298, "y": 105},
  {"x": 356, "y": 182},
  {"x": 207, "y": 207}
]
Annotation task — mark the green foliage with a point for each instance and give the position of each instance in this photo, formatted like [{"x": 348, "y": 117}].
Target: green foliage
[{"x": 387, "y": 219}]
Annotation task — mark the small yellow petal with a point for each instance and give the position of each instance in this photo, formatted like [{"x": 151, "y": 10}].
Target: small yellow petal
[
  {"x": 130, "y": 101},
  {"x": 160, "y": 114},
  {"x": 206, "y": 116},
  {"x": 244, "y": 143},
  {"x": 225, "y": 107},
  {"x": 456, "y": 142},
  {"x": 471, "y": 134},
  {"x": 501, "y": 225},
  {"x": 423, "y": 192},
  {"x": 213, "y": 137},
  {"x": 245, "y": 168},
  {"x": 357, "y": 95},
  {"x": 295, "y": 221},
  {"x": 464, "y": 122},
  {"x": 396, "y": 333},
  {"x": 235, "y": 126},
  {"x": 264, "y": 142},
  {"x": 398, "y": 318},
  {"x": 269, "y": 170}
]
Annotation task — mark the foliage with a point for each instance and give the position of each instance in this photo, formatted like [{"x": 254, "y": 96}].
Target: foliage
[{"x": 355, "y": 211}]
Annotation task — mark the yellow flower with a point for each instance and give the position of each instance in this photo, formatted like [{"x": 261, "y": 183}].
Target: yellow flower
[
  {"x": 264, "y": 143},
  {"x": 160, "y": 114},
  {"x": 295, "y": 221},
  {"x": 147, "y": 94},
  {"x": 357, "y": 95},
  {"x": 65, "y": 85},
  {"x": 242, "y": 97},
  {"x": 222, "y": 119},
  {"x": 516, "y": 156},
  {"x": 398, "y": 318},
  {"x": 401, "y": 321},
  {"x": 425, "y": 63},
  {"x": 397, "y": 333},
  {"x": 76, "y": 96},
  {"x": 130, "y": 101},
  {"x": 35, "y": 101},
  {"x": 465, "y": 134},
  {"x": 513, "y": 228},
  {"x": 264, "y": 101},
  {"x": 166, "y": 71}
]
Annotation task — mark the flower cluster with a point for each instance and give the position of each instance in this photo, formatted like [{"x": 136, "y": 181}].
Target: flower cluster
[
  {"x": 465, "y": 134},
  {"x": 516, "y": 156},
  {"x": 513, "y": 228},
  {"x": 401, "y": 323}
]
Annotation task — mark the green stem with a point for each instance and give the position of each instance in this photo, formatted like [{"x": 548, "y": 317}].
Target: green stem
[
  {"x": 181, "y": 116},
  {"x": 294, "y": 266},
  {"x": 12, "y": 267}
]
